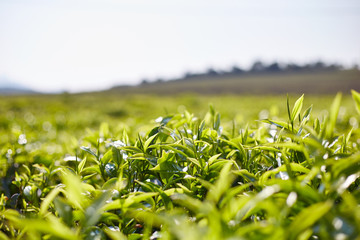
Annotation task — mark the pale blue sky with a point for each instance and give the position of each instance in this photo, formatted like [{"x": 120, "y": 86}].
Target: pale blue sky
[{"x": 91, "y": 45}]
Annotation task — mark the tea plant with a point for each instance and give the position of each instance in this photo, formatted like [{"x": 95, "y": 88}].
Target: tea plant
[{"x": 190, "y": 178}]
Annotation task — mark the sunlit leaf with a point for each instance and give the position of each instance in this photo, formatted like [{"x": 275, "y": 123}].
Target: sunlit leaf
[
  {"x": 297, "y": 108},
  {"x": 356, "y": 97}
]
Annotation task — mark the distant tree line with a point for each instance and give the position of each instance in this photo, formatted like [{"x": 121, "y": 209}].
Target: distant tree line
[{"x": 259, "y": 67}]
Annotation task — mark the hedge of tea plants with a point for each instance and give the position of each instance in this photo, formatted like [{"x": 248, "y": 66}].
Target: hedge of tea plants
[{"x": 189, "y": 178}]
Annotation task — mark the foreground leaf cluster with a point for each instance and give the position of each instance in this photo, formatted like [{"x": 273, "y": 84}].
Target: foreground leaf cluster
[{"x": 191, "y": 178}]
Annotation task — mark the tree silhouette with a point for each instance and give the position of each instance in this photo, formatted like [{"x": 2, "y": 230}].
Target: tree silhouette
[
  {"x": 274, "y": 67},
  {"x": 258, "y": 66}
]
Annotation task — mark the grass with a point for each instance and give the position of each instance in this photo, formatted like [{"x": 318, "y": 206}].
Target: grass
[{"x": 77, "y": 167}]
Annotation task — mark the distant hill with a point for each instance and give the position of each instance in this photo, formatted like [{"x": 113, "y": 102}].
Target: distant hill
[
  {"x": 15, "y": 91},
  {"x": 8, "y": 87},
  {"x": 316, "y": 82}
]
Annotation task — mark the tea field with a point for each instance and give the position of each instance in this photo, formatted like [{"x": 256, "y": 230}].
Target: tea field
[{"x": 121, "y": 166}]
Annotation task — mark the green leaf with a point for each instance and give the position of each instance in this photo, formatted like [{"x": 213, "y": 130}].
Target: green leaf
[
  {"x": 107, "y": 157},
  {"x": 307, "y": 218},
  {"x": 81, "y": 165},
  {"x": 189, "y": 152},
  {"x": 212, "y": 110},
  {"x": 201, "y": 129},
  {"x": 217, "y": 121},
  {"x": 246, "y": 175},
  {"x": 307, "y": 113},
  {"x": 195, "y": 161},
  {"x": 293, "y": 166},
  {"x": 64, "y": 211},
  {"x": 222, "y": 184},
  {"x": 94, "y": 211},
  {"x": 49, "y": 198},
  {"x": 115, "y": 235},
  {"x": 277, "y": 123},
  {"x": 190, "y": 203},
  {"x": 213, "y": 158},
  {"x": 109, "y": 184},
  {"x": 164, "y": 196},
  {"x": 297, "y": 108},
  {"x": 74, "y": 189},
  {"x": 131, "y": 149},
  {"x": 151, "y": 140},
  {"x": 117, "y": 156},
  {"x": 3, "y": 236},
  {"x": 288, "y": 106},
  {"x": 88, "y": 150},
  {"x": 246, "y": 210},
  {"x": 356, "y": 97},
  {"x": 346, "y": 166},
  {"x": 92, "y": 169},
  {"x": 129, "y": 201},
  {"x": 51, "y": 225}
]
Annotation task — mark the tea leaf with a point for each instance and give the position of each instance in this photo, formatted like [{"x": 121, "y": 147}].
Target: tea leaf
[
  {"x": 356, "y": 97},
  {"x": 297, "y": 108},
  {"x": 308, "y": 217}
]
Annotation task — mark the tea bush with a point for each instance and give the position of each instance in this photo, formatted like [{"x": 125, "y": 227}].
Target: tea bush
[{"x": 187, "y": 178}]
